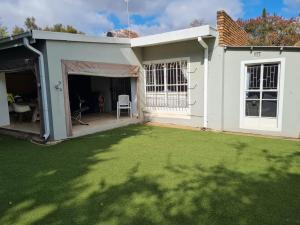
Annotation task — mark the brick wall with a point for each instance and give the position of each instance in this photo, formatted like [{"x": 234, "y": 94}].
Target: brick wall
[{"x": 230, "y": 33}]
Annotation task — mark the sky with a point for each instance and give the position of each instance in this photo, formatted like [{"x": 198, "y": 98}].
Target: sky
[{"x": 95, "y": 17}]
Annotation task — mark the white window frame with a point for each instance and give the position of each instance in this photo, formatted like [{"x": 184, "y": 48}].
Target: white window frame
[
  {"x": 165, "y": 110},
  {"x": 262, "y": 123}
]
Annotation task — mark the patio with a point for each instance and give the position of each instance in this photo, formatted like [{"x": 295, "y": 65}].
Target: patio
[
  {"x": 101, "y": 122},
  {"x": 24, "y": 126}
]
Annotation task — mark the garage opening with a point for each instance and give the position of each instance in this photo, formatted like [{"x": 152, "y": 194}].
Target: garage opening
[
  {"x": 23, "y": 102},
  {"x": 93, "y": 101},
  {"x": 92, "y": 91}
]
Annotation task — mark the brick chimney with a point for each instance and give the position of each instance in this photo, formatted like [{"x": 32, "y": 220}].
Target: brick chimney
[{"x": 230, "y": 33}]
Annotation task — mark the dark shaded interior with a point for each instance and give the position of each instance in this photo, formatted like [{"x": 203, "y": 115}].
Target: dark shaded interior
[{"x": 88, "y": 89}]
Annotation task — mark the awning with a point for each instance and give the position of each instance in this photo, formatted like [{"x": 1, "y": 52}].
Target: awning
[{"x": 100, "y": 69}]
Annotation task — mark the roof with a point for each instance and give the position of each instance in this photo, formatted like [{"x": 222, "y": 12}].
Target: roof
[
  {"x": 59, "y": 36},
  {"x": 17, "y": 40},
  {"x": 174, "y": 36}
]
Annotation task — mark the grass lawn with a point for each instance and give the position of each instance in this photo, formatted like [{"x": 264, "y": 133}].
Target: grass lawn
[{"x": 150, "y": 175}]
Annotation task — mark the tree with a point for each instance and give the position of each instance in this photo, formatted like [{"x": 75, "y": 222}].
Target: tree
[
  {"x": 197, "y": 23},
  {"x": 30, "y": 24},
  {"x": 61, "y": 28},
  {"x": 271, "y": 30},
  {"x": 3, "y": 31},
  {"x": 123, "y": 33},
  {"x": 17, "y": 30}
]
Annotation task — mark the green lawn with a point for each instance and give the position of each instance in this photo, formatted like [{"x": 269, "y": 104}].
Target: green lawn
[{"x": 149, "y": 175}]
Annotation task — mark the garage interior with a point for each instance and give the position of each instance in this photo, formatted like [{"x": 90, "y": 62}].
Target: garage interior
[
  {"x": 95, "y": 99},
  {"x": 22, "y": 99}
]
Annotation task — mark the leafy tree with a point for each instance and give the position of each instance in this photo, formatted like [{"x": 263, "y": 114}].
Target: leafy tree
[
  {"x": 123, "y": 33},
  {"x": 30, "y": 24},
  {"x": 271, "y": 30},
  {"x": 17, "y": 30},
  {"x": 61, "y": 28},
  {"x": 3, "y": 31}
]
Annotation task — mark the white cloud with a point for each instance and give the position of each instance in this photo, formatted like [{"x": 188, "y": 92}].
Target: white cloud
[
  {"x": 75, "y": 13},
  {"x": 179, "y": 14},
  {"x": 292, "y": 7},
  {"x": 92, "y": 16}
]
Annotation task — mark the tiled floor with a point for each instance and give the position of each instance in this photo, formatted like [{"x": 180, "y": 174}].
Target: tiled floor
[
  {"x": 101, "y": 122},
  {"x": 27, "y": 127}
]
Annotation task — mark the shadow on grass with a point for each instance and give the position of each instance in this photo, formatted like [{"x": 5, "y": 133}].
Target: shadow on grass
[{"x": 207, "y": 195}]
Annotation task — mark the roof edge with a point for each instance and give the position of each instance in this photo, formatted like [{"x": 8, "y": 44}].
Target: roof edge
[
  {"x": 60, "y": 36},
  {"x": 261, "y": 47},
  {"x": 15, "y": 37},
  {"x": 174, "y": 36}
]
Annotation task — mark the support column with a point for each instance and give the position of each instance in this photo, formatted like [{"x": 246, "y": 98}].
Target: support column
[
  {"x": 133, "y": 86},
  {"x": 4, "y": 111}
]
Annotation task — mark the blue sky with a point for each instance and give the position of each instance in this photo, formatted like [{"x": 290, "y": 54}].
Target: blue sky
[
  {"x": 253, "y": 8},
  {"x": 95, "y": 17}
]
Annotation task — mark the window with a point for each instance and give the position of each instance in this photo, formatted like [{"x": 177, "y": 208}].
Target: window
[
  {"x": 167, "y": 84},
  {"x": 261, "y": 93},
  {"x": 262, "y": 83}
]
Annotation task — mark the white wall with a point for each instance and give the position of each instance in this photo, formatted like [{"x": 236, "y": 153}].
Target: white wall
[
  {"x": 193, "y": 51},
  {"x": 4, "y": 112},
  {"x": 291, "y": 92},
  {"x": 94, "y": 52}
]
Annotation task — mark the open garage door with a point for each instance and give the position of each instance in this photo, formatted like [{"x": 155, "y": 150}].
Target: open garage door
[{"x": 87, "y": 84}]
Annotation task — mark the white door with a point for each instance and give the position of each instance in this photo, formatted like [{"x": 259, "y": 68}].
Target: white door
[{"x": 4, "y": 112}]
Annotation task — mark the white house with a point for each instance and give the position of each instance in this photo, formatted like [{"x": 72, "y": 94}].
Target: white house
[{"x": 202, "y": 77}]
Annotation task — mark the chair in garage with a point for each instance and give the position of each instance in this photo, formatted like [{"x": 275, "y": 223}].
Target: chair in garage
[{"x": 123, "y": 104}]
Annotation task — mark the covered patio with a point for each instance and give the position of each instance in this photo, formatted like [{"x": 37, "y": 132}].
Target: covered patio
[
  {"x": 20, "y": 102},
  {"x": 91, "y": 91}
]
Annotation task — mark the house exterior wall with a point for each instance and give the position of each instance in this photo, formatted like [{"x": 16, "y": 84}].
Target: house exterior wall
[
  {"x": 195, "y": 53},
  {"x": 4, "y": 111},
  {"x": 56, "y": 51},
  {"x": 291, "y": 91},
  {"x": 215, "y": 85}
]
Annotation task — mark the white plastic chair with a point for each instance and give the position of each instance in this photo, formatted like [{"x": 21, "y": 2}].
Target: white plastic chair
[{"x": 123, "y": 103}]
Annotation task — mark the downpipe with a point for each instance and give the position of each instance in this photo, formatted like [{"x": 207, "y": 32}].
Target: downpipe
[
  {"x": 43, "y": 88},
  {"x": 205, "y": 88}
]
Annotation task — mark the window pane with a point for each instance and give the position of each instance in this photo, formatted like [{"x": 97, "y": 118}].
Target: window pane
[
  {"x": 253, "y": 77},
  {"x": 182, "y": 88},
  {"x": 150, "y": 88},
  {"x": 149, "y": 74},
  {"x": 172, "y": 88},
  {"x": 269, "y": 95},
  {"x": 159, "y": 74},
  {"x": 252, "y": 95},
  {"x": 270, "y": 76},
  {"x": 252, "y": 108},
  {"x": 160, "y": 88},
  {"x": 181, "y": 73},
  {"x": 173, "y": 76},
  {"x": 269, "y": 108},
  {"x": 171, "y": 73}
]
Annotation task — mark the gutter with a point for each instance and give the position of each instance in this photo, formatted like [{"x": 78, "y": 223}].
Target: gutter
[
  {"x": 43, "y": 88},
  {"x": 205, "y": 89}
]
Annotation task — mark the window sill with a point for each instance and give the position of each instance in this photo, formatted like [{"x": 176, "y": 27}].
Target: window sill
[
  {"x": 276, "y": 129},
  {"x": 260, "y": 124}
]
